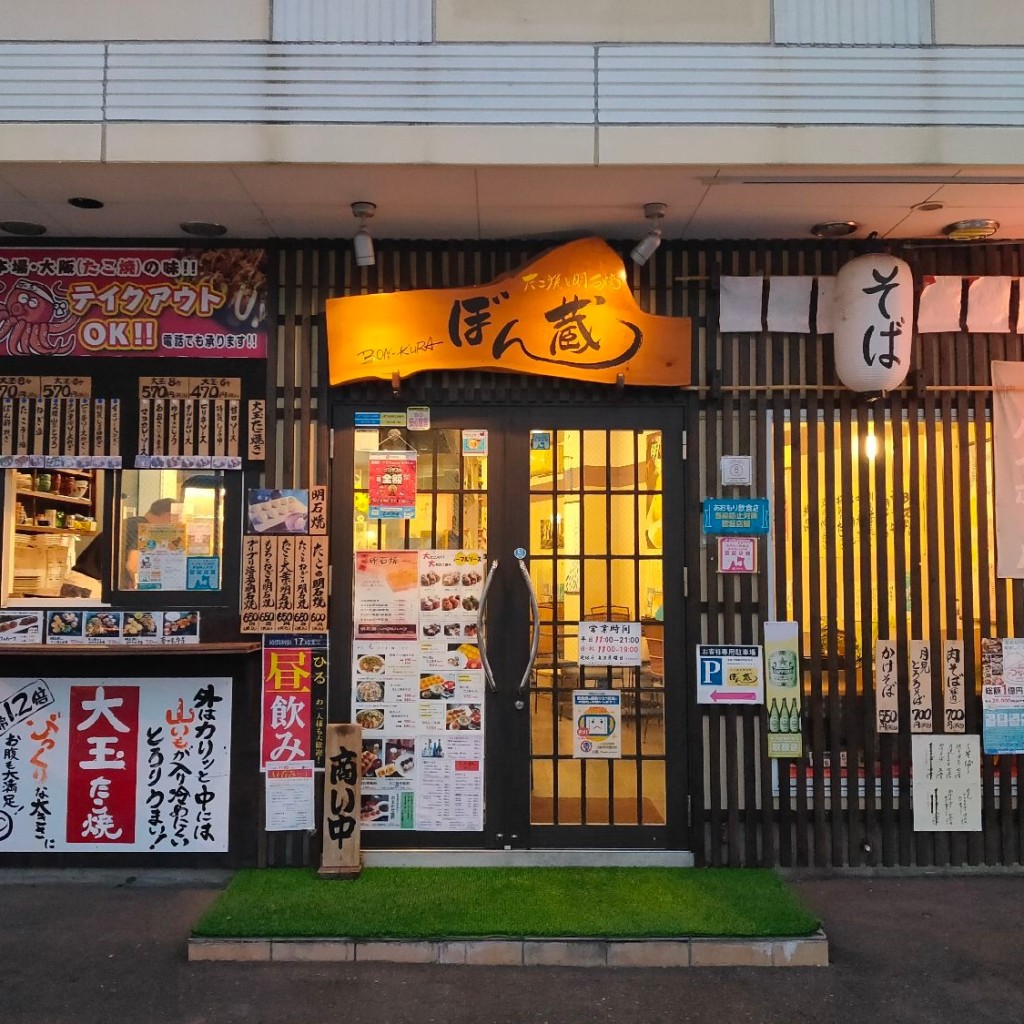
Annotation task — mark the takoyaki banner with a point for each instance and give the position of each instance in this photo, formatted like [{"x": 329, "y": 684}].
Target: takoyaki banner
[
  {"x": 192, "y": 303},
  {"x": 569, "y": 313},
  {"x": 97, "y": 765}
]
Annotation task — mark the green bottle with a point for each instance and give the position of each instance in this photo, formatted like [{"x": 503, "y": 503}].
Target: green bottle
[
  {"x": 794, "y": 717},
  {"x": 773, "y": 717}
]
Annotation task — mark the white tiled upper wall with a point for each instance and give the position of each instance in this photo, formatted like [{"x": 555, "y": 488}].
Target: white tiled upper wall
[{"x": 788, "y": 22}]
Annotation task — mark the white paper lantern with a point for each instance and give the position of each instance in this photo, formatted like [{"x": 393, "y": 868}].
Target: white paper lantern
[{"x": 874, "y": 322}]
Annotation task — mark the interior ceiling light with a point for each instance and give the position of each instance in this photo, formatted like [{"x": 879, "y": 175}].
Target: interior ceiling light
[
  {"x": 970, "y": 230},
  {"x": 85, "y": 203},
  {"x": 834, "y": 228},
  {"x": 362, "y": 241},
  {"x": 22, "y": 227},
  {"x": 648, "y": 245},
  {"x": 928, "y": 207},
  {"x": 203, "y": 229}
]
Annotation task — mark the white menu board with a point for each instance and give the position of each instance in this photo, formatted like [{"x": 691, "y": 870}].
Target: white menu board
[
  {"x": 418, "y": 689},
  {"x": 947, "y": 783}
]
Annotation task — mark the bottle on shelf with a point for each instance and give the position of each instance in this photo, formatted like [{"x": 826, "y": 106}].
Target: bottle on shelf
[{"x": 773, "y": 717}]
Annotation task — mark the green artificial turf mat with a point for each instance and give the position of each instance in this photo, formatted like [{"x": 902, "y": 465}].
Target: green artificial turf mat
[{"x": 421, "y": 903}]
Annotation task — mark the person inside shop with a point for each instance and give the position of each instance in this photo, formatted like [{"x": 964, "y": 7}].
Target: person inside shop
[{"x": 160, "y": 513}]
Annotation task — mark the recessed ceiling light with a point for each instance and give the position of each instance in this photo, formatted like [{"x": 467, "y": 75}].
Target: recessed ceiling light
[
  {"x": 203, "y": 229},
  {"x": 85, "y": 203},
  {"x": 928, "y": 207},
  {"x": 970, "y": 230},
  {"x": 834, "y": 228},
  {"x": 22, "y": 227}
]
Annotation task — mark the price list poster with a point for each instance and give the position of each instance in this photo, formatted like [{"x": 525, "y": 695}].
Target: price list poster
[{"x": 418, "y": 689}]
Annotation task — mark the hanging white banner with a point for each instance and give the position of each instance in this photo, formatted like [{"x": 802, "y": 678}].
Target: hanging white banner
[
  {"x": 789, "y": 304},
  {"x": 988, "y": 305},
  {"x": 739, "y": 304},
  {"x": 1008, "y": 463},
  {"x": 939, "y": 310}
]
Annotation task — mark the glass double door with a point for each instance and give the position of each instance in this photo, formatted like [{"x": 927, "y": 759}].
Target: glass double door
[{"x": 570, "y": 507}]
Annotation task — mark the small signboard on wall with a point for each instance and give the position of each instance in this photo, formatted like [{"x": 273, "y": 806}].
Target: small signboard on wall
[
  {"x": 730, "y": 674},
  {"x": 737, "y": 555}
]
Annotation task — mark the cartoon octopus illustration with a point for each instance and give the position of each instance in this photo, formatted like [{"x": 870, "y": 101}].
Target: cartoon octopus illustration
[{"x": 35, "y": 321}]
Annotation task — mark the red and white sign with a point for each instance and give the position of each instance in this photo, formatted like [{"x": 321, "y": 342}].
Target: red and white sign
[
  {"x": 392, "y": 485},
  {"x": 104, "y": 764},
  {"x": 737, "y": 554},
  {"x": 133, "y": 302},
  {"x": 287, "y": 736}
]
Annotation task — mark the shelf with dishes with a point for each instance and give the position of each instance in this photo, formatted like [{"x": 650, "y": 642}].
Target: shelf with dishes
[
  {"x": 64, "y": 499},
  {"x": 54, "y": 514}
]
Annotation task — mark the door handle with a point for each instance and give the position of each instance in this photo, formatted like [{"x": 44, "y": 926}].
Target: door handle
[
  {"x": 481, "y": 628},
  {"x": 535, "y": 634}
]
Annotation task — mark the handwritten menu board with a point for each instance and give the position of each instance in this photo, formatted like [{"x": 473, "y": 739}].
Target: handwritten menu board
[
  {"x": 189, "y": 423},
  {"x": 954, "y": 711},
  {"x": 887, "y": 701},
  {"x": 55, "y": 422},
  {"x": 284, "y": 562},
  {"x": 921, "y": 719},
  {"x": 418, "y": 689},
  {"x": 947, "y": 783}
]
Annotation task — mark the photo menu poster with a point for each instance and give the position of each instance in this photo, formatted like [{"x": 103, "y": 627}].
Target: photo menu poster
[{"x": 418, "y": 689}]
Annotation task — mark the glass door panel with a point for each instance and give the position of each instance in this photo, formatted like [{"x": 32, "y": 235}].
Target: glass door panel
[{"x": 595, "y": 554}]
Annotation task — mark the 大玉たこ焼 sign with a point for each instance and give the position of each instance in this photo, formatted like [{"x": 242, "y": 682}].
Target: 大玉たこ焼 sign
[
  {"x": 568, "y": 313},
  {"x": 133, "y": 302}
]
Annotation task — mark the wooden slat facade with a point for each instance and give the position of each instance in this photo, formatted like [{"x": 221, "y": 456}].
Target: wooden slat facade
[{"x": 902, "y": 543}]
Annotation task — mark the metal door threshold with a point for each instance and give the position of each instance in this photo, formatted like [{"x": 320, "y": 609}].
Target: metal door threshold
[{"x": 528, "y": 858}]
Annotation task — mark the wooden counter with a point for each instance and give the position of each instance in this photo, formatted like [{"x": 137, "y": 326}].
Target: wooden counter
[{"x": 242, "y": 647}]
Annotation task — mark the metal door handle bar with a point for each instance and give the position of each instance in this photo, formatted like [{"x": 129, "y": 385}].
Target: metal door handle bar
[
  {"x": 481, "y": 628},
  {"x": 534, "y": 627}
]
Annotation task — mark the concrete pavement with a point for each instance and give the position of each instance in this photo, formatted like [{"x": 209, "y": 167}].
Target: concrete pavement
[{"x": 97, "y": 948}]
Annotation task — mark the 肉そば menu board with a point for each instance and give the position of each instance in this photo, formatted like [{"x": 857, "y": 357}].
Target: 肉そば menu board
[{"x": 418, "y": 689}]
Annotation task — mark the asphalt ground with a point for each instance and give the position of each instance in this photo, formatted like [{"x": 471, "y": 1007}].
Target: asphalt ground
[{"x": 95, "y": 947}]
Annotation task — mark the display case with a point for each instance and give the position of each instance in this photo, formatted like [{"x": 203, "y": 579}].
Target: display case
[{"x": 54, "y": 518}]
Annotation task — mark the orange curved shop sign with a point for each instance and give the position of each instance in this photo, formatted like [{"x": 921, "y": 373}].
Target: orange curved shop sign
[{"x": 568, "y": 313}]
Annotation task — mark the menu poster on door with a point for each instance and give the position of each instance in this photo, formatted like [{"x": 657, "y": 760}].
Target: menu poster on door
[
  {"x": 386, "y": 598},
  {"x": 946, "y": 783},
  {"x": 418, "y": 688},
  {"x": 1002, "y": 695},
  {"x": 597, "y": 723},
  {"x": 392, "y": 485},
  {"x": 115, "y": 765},
  {"x": 450, "y": 789},
  {"x": 782, "y": 689}
]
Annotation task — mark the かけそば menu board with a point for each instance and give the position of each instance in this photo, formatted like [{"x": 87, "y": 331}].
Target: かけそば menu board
[
  {"x": 418, "y": 689},
  {"x": 107, "y": 764}
]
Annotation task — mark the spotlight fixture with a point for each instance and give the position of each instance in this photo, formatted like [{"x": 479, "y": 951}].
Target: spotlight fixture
[
  {"x": 362, "y": 241},
  {"x": 22, "y": 227},
  {"x": 834, "y": 228},
  {"x": 203, "y": 229},
  {"x": 648, "y": 245},
  {"x": 85, "y": 203},
  {"x": 970, "y": 230}
]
